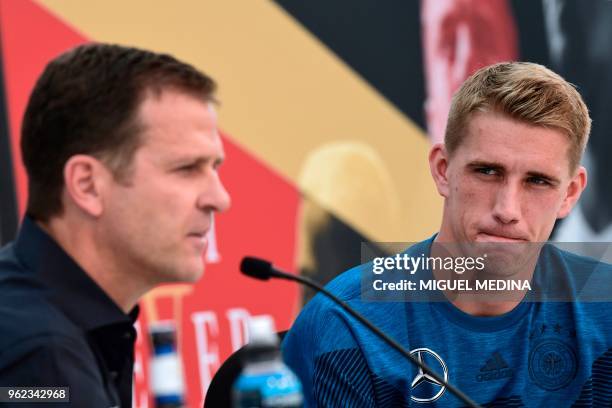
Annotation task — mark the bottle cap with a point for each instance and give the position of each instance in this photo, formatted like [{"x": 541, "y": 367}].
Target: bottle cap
[{"x": 262, "y": 331}]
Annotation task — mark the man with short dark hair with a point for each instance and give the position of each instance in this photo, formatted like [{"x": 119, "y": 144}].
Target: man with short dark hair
[
  {"x": 509, "y": 167},
  {"x": 122, "y": 153}
]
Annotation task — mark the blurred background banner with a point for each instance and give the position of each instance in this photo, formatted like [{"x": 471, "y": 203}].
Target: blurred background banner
[{"x": 328, "y": 109}]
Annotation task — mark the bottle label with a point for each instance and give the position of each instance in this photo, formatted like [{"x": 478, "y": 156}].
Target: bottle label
[
  {"x": 270, "y": 390},
  {"x": 166, "y": 375}
]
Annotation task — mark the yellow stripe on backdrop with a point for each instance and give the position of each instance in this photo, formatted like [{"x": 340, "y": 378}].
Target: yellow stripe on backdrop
[{"x": 283, "y": 93}]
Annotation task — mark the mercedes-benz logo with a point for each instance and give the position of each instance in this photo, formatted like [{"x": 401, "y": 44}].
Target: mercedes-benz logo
[{"x": 422, "y": 377}]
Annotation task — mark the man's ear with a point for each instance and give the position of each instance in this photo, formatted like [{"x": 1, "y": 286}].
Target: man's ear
[
  {"x": 438, "y": 165},
  {"x": 573, "y": 191},
  {"x": 84, "y": 180}
]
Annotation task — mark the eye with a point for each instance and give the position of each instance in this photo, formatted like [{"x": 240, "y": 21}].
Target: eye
[
  {"x": 488, "y": 171},
  {"x": 538, "y": 181},
  {"x": 189, "y": 168}
]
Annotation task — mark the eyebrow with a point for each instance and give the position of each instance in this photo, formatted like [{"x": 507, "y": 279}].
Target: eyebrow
[
  {"x": 199, "y": 160},
  {"x": 481, "y": 163},
  {"x": 500, "y": 167}
]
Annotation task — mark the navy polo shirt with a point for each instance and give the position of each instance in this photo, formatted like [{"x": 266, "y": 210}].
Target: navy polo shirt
[{"x": 59, "y": 328}]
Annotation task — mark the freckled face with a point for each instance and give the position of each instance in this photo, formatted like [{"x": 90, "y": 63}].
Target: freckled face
[{"x": 507, "y": 182}]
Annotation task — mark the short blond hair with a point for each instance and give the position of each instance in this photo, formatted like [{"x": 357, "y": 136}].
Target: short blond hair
[{"x": 524, "y": 91}]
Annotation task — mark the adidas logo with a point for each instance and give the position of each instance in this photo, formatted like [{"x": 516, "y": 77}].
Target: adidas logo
[{"x": 494, "y": 369}]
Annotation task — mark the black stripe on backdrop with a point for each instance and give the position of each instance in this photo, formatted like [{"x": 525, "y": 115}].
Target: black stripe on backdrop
[
  {"x": 8, "y": 197},
  {"x": 379, "y": 40}
]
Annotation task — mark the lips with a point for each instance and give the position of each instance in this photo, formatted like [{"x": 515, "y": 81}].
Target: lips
[
  {"x": 499, "y": 236},
  {"x": 200, "y": 238},
  {"x": 198, "y": 234},
  {"x": 199, "y": 231}
]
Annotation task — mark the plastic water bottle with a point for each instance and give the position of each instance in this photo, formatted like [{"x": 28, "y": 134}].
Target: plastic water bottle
[
  {"x": 167, "y": 383},
  {"x": 265, "y": 380}
]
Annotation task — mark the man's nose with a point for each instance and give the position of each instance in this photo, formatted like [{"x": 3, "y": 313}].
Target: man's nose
[
  {"x": 214, "y": 197},
  {"x": 507, "y": 208}
]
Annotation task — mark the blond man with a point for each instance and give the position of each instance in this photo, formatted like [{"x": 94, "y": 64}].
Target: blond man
[{"x": 508, "y": 169}]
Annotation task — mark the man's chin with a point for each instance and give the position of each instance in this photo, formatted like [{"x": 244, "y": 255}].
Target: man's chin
[
  {"x": 195, "y": 274},
  {"x": 188, "y": 273}
]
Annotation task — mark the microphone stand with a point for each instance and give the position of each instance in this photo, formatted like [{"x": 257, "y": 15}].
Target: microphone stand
[{"x": 273, "y": 272}]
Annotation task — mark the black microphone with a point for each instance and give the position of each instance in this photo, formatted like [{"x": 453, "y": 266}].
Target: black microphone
[{"x": 261, "y": 269}]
